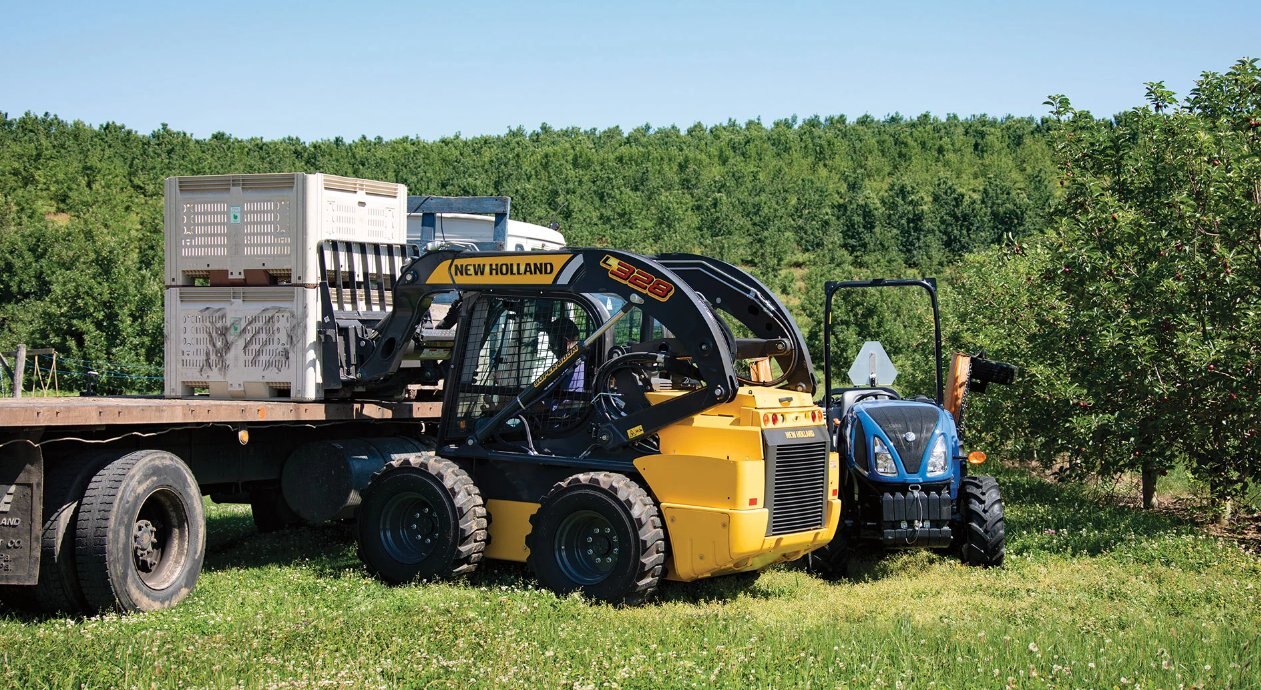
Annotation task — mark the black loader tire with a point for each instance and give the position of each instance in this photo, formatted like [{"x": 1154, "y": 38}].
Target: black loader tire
[
  {"x": 422, "y": 517},
  {"x": 140, "y": 536},
  {"x": 982, "y": 534},
  {"x": 58, "y": 590},
  {"x": 621, "y": 523}
]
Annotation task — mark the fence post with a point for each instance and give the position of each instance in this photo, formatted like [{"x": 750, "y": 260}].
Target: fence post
[{"x": 19, "y": 368}]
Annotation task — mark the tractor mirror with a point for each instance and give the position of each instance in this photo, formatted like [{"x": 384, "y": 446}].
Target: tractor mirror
[{"x": 872, "y": 367}]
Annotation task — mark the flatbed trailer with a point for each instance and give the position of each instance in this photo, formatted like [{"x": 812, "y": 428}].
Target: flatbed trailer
[{"x": 67, "y": 463}]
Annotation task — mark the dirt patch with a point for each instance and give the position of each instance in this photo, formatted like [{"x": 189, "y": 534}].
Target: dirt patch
[{"x": 58, "y": 218}]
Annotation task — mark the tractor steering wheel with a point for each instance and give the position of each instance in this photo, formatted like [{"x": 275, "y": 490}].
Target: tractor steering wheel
[{"x": 870, "y": 394}]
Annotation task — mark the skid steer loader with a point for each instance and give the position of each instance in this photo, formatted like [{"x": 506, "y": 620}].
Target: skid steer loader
[{"x": 600, "y": 423}]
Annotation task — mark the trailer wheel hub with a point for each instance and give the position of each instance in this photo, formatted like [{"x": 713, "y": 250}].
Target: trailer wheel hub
[{"x": 145, "y": 546}]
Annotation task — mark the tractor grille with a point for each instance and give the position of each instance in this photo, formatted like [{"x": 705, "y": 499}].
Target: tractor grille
[
  {"x": 796, "y": 481},
  {"x": 897, "y": 420}
]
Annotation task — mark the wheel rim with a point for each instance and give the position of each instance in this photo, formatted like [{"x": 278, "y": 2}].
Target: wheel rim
[
  {"x": 409, "y": 528},
  {"x": 587, "y": 547},
  {"x": 159, "y": 539}
]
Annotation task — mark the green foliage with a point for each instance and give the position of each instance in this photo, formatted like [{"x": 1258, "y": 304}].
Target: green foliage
[
  {"x": 797, "y": 202},
  {"x": 1138, "y": 316}
]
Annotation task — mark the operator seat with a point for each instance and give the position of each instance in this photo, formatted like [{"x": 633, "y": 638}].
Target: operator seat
[{"x": 841, "y": 400}]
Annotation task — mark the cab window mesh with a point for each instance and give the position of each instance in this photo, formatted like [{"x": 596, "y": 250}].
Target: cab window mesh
[{"x": 511, "y": 342}]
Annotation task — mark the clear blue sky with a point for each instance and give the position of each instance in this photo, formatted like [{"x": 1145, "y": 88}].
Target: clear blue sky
[{"x": 320, "y": 69}]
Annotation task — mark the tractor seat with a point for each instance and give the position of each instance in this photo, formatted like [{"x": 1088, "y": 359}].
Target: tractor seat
[{"x": 841, "y": 400}]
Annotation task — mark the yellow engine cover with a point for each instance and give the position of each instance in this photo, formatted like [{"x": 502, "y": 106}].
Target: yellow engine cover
[{"x": 711, "y": 481}]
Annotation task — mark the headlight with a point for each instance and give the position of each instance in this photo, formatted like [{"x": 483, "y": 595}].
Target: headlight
[
  {"x": 884, "y": 459},
  {"x": 937, "y": 458}
]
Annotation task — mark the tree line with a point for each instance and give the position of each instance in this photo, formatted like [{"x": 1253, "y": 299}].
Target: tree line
[{"x": 1113, "y": 259}]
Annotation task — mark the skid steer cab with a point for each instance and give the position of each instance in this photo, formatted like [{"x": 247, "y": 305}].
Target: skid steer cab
[
  {"x": 906, "y": 480},
  {"x": 610, "y": 419}
]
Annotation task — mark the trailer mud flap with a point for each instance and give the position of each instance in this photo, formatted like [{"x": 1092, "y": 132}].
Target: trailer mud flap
[{"x": 21, "y": 513}]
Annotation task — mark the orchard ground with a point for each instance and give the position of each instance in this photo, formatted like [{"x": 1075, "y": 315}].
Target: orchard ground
[{"x": 1093, "y": 595}]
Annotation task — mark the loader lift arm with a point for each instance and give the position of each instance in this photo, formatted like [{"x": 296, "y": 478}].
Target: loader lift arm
[{"x": 700, "y": 338}]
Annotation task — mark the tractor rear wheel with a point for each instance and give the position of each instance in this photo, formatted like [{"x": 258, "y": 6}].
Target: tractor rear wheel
[
  {"x": 422, "y": 517},
  {"x": 981, "y": 537},
  {"x": 832, "y": 561},
  {"x": 598, "y": 533}
]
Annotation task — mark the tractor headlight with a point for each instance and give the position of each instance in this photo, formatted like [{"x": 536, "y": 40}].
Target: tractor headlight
[
  {"x": 884, "y": 459},
  {"x": 937, "y": 458}
]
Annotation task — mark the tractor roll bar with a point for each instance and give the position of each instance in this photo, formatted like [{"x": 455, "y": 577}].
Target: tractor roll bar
[{"x": 832, "y": 286}]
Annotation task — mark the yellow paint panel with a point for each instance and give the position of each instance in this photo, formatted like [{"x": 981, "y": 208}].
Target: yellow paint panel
[
  {"x": 705, "y": 542},
  {"x": 526, "y": 269},
  {"x": 509, "y": 525},
  {"x": 705, "y": 481},
  {"x": 711, "y": 435},
  {"x": 699, "y": 540}
]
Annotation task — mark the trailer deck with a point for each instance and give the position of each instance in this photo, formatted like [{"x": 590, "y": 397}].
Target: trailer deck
[{"x": 27, "y": 413}]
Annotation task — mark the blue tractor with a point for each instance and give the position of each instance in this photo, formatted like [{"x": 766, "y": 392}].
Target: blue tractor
[{"x": 905, "y": 478}]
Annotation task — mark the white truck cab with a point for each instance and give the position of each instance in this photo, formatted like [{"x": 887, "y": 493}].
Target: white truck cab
[{"x": 479, "y": 230}]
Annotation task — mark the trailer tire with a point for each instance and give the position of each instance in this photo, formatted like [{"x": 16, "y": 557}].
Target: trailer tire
[
  {"x": 982, "y": 533},
  {"x": 621, "y": 523},
  {"x": 57, "y": 590},
  {"x": 140, "y": 534},
  {"x": 422, "y": 517}
]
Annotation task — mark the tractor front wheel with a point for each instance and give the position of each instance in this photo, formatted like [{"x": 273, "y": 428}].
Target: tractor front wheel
[
  {"x": 981, "y": 537},
  {"x": 598, "y": 533}
]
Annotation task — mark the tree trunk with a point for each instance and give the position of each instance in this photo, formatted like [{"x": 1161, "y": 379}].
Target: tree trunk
[{"x": 1150, "y": 474}]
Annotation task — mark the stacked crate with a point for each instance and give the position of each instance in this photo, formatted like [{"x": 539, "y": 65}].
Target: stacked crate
[{"x": 244, "y": 257}]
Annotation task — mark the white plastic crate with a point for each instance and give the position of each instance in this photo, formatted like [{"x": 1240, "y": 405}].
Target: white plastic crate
[
  {"x": 273, "y": 223},
  {"x": 243, "y": 342}
]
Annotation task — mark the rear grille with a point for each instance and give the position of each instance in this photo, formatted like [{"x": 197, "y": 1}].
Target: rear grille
[{"x": 796, "y": 481}]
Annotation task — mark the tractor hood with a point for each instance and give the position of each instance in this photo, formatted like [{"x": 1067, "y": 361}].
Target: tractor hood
[{"x": 908, "y": 430}]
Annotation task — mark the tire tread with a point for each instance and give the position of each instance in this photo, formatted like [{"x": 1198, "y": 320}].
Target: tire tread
[
  {"x": 984, "y": 539},
  {"x": 472, "y": 522},
  {"x": 647, "y": 523}
]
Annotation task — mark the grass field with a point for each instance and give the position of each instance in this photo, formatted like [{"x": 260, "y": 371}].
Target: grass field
[{"x": 1092, "y": 596}]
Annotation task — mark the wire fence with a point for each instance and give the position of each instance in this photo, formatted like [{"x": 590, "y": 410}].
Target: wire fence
[{"x": 51, "y": 375}]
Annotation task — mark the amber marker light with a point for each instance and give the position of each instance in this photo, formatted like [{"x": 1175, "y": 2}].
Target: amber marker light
[{"x": 976, "y": 457}]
